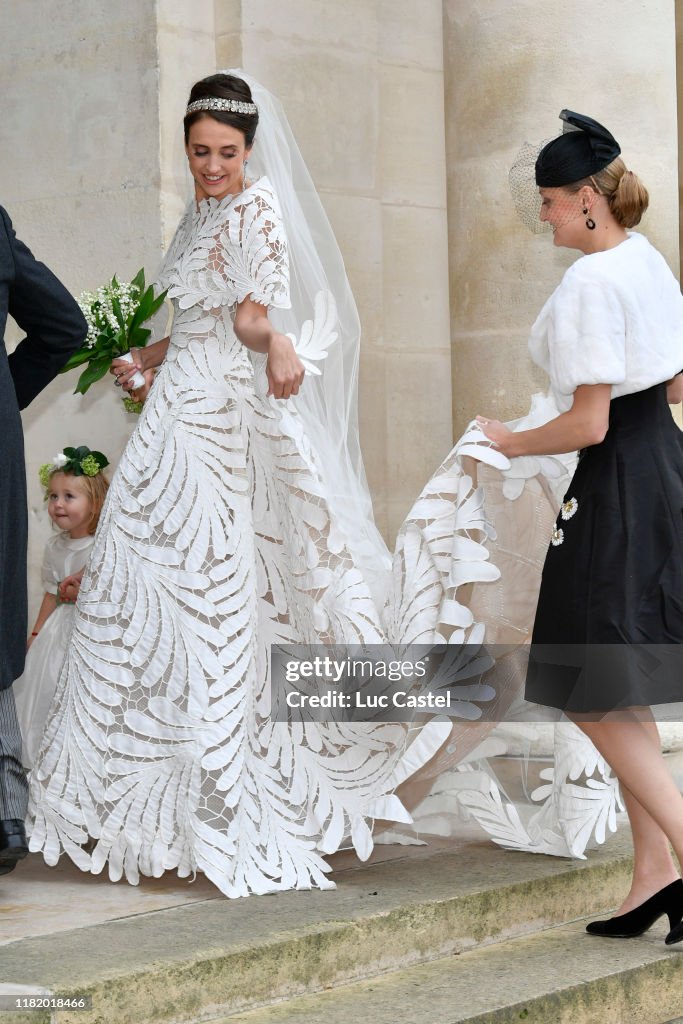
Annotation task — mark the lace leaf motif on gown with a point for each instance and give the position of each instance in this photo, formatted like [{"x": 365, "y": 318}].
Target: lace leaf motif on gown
[{"x": 238, "y": 248}]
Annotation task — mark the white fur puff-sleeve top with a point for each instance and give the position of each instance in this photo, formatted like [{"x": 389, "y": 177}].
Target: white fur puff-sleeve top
[{"x": 615, "y": 318}]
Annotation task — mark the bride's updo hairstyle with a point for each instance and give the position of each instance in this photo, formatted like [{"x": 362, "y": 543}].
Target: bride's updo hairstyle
[
  {"x": 627, "y": 196},
  {"x": 223, "y": 87}
]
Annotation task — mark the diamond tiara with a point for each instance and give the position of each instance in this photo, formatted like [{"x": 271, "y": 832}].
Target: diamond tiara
[{"x": 217, "y": 103}]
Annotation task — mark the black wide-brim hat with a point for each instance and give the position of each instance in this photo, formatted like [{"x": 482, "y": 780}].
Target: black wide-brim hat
[{"x": 584, "y": 148}]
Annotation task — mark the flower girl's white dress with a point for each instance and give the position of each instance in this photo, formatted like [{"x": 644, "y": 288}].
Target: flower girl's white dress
[{"x": 34, "y": 691}]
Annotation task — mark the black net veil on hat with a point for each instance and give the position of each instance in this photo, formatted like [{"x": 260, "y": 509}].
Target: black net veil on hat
[{"x": 583, "y": 148}]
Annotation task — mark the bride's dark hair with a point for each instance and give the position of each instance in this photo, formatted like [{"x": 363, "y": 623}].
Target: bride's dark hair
[{"x": 224, "y": 87}]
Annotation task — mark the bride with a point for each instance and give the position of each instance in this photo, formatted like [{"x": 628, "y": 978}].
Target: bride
[{"x": 239, "y": 519}]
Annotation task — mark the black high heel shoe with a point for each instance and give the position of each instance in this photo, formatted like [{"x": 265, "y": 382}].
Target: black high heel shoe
[
  {"x": 668, "y": 900},
  {"x": 676, "y": 933}
]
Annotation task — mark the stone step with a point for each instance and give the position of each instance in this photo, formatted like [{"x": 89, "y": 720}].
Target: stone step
[
  {"x": 558, "y": 976},
  {"x": 223, "y": 956}
]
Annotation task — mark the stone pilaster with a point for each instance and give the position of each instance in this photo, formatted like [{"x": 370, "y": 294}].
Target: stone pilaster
[
  {"x": 80, "y": 179},
  {"x": 509, "y": 71},
  {"x": 362, "y": 84}
]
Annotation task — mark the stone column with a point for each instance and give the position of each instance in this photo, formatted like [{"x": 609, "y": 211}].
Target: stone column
[
  {"x": 412, "y": 166},
  {"x": 509, "y": 71},
  {"x": 362, "y": 84},
  {"x": 80, "y": 179},
  {"x": 186, "y": 44}
]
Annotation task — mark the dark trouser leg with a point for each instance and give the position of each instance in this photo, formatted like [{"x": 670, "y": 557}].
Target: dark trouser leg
[{"x": 13, "y": 784}]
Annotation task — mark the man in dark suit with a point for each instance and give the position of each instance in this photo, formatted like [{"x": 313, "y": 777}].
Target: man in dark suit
[{"x": 54, "y": 327}]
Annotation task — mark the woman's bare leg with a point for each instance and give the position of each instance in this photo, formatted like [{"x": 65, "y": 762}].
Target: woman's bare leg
[
  {"x": 653, "y": 865},
  {"x": 631, "y": 746}
]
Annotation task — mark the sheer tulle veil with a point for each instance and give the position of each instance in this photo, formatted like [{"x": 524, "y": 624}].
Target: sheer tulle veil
[{"x": 321, "y": 295}]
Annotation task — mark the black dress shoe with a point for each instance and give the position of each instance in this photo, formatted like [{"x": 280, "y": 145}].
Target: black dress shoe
[
  {"x": 13, "y": 843},
  {"x": 668, "y": 900}
]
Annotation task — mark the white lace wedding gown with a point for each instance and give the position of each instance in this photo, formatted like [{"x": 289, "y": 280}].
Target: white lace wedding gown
[{"x": 216, "y": 541}]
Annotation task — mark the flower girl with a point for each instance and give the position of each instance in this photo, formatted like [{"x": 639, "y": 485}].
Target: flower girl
[{"x": 75, "y": 489}]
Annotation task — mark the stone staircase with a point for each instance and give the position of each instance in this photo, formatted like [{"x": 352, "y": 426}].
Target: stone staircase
[{"x": 430, "y": 935}]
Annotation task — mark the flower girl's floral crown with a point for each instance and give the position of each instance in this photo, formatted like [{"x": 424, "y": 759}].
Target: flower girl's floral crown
[
  {"x": 219, "y": 103},
  {"x": 79, "y": 461}
]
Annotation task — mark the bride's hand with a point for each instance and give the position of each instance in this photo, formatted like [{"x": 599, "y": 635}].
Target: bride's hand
[
  {"x": 140, "y": 394},
  {"x": 496, "y": 432},
  {"x": 284, "y": 369},
  {"x": 124, "y": 371}
]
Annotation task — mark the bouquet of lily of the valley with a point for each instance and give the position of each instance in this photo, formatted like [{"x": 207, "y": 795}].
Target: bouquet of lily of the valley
[{"x": 115, "y": 315}]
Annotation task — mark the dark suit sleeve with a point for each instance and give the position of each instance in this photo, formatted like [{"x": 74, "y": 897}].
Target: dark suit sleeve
[{"x": 51, "y": 318}]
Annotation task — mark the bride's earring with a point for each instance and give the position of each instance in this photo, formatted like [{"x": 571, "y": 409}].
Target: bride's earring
[{"x": 244, "y": 175}]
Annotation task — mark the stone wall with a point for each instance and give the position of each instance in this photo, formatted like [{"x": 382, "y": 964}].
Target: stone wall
[
  {"x": 186, "y": 51},
  {"x": 510, "y": 69},
  {"x": 362, "y": 84},
  {"x": 80, "y": 178},
  {"x": 408, "y": 116}
]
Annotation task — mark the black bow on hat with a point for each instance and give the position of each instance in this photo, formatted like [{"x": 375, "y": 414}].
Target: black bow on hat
[{"x": 584, "y": 148}]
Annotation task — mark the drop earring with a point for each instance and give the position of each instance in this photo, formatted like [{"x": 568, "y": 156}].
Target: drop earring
[
  {"x": 244, "y": 175},
  {"x": 590, "y": 223}
]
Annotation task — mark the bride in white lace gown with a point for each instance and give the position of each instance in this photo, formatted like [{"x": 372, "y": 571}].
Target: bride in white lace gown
[
  {"x": 217, "y": 540},
  {"x": 236, "y": 521}
]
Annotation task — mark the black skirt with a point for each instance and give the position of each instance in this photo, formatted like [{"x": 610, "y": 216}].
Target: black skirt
[{"x": 609, "y": 620}]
